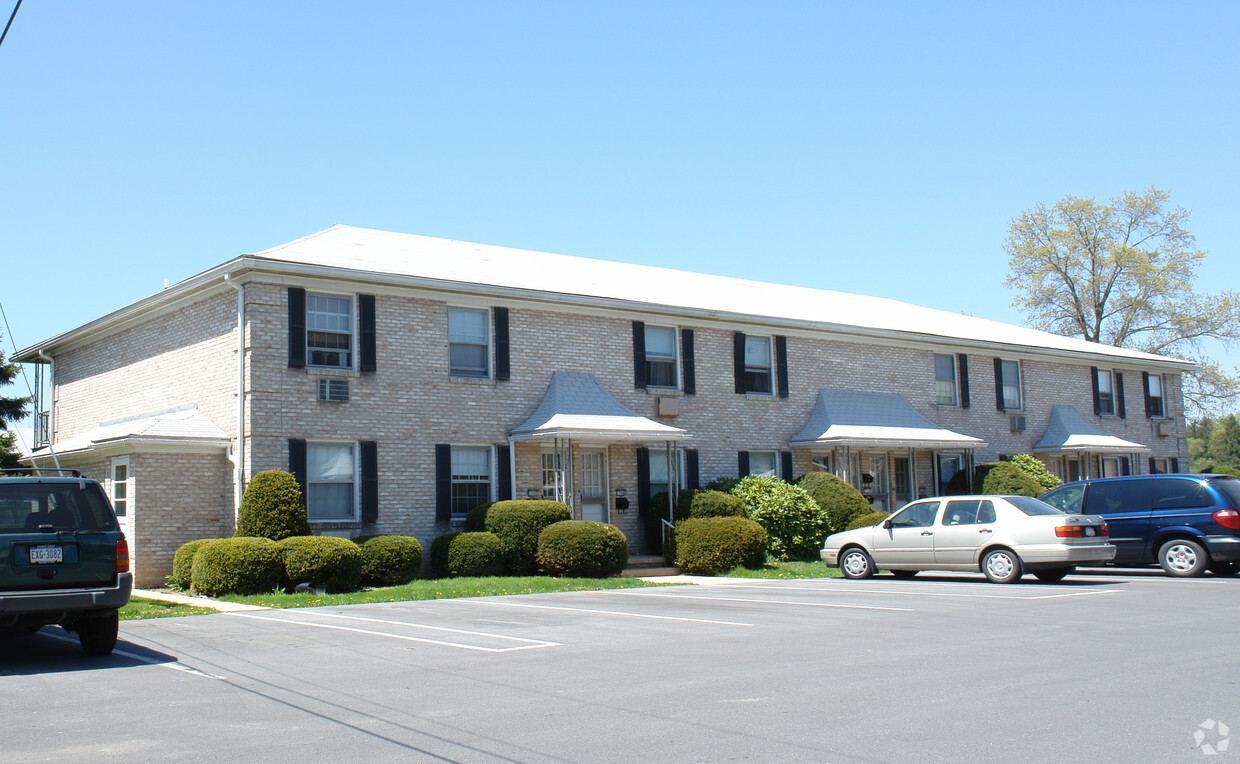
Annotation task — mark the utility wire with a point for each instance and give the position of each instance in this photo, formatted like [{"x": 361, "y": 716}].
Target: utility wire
[{"x": 12, "y": 16}]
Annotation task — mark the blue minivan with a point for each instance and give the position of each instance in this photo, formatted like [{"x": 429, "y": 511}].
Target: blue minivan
[{"x": 1186, "y": 523}]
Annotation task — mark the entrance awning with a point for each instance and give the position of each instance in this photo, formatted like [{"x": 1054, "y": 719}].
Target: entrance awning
[
  {"x": 577, "y": 406},
  {"x": 184, "y": 429},
  {"x": 859, "y": 418},
  {"x": 1069, "y": 431}
]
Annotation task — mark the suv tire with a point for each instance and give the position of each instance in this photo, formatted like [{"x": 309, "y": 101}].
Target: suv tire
[
  {"x": 98, "y": 634},
  {"x": 1183, "y": 558}
]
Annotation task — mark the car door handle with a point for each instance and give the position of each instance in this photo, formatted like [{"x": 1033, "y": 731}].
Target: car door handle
[
  {"x": 927, "y": 533},
  {"x": 985, "y": 530}
]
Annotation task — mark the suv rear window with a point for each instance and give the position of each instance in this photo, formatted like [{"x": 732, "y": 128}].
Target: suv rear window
[{"x": 26, "y": 507}]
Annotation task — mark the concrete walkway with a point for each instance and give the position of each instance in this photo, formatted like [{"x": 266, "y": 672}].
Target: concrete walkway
[{"x": 185, "y": 599}]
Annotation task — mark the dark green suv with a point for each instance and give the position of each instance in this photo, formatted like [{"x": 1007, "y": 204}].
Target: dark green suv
[{"x": 63, "y": 559}]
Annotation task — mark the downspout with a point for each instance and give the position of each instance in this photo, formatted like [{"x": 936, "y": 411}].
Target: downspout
[
  {"x": 239, "y": 455},
  {"x": 51, "y": 407},
  {"x": 512, "y": 468}
]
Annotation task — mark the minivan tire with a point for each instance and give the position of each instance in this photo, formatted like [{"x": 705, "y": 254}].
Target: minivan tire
[
  {"x": 98, "y": 635},
  {"x": 1183, "y": 558}
]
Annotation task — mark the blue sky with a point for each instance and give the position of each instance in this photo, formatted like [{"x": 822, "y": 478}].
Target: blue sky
[{"x": 876, "y": 148}]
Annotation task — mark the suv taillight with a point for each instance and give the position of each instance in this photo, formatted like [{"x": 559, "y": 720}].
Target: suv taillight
[
  {"x": 1228, "y": 518},
  {"x": 122, "y": 556}
]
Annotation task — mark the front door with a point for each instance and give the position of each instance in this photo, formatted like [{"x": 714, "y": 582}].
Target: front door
[{"x": 594, "y": 485}]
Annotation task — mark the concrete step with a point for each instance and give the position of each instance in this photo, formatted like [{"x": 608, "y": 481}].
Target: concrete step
[
  {"x": 648, "y": 565},
  {"x": 644, "y": 572}
]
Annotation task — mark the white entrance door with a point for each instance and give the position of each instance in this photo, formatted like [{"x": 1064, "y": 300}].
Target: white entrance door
[{"x": 594, "y": 485}]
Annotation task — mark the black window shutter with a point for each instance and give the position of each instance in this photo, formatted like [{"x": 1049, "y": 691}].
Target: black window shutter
[
  {"x": 297, "y": 464},
  {"x": 1175, "y": 464},
  {"x": 1120, "y": 408},
  {"x": 738, "y": 361},
  {"x": 1145, "y": 386},
  {"x": 443, "y": 482},
  {"x": 781, "y": 364},
  {"x": 639, "y": 354},
  {"x": 369, "y": 456},
  {"x": 962, "y": 363},
  {"x": 686, "y": 361},
  {"x": 499, "y": 318},
  {"x": 296, "y": 328},
  {"x": 366, "y": 321},
  {"x": 1093, "y": 380},
  {"x": 1125, "y": 467},
  {"x": 692, "y": 477},
  {"x": 742, "y": 463},
  {"x": 999, "y": 383},
  {"x": 1152, "y": 466},
  {"x": 785, "y": 459},
  {"x": 643, "y": 480},
  {"x": 503, "y": 455}
]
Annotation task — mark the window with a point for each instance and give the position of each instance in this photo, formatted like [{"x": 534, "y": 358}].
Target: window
[
  {"x": 468, "y": 343},
  {"x": 919, "y": 515},
  {"x": 758, "y": 365},
  {"x": 945, "y": 380},
  {"x": 1154, "y": 396},
  {"x": 1007, "y": 375},
  {"x": 1106, "y": 497},
  {"x": 471, "y": 478},
  {"x": 968, "y": 512},
  {"x": 657, "y": 459},
  {"x": 120, "y": 485},
  {"x": 1159, "y": 466},
  {"x": 762, "y": 463},
  {"x": 1181, "y": 493},
  {"x": 330, "y": 473},
  {"x": 329, "y": 331},
  {"x": 948, "y": 466},
  {"x": 661, "y": 356},
  {"x": 552, "y": 482},
  {"x": 1106, "y": 392},
  {"x": 1110, "y": 466}
]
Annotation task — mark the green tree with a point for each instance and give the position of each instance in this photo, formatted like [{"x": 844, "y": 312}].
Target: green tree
[
  {"x": 1122, "y": 273},
  {"x": 11, "y": 410},
  {"x": 1224, "y": 448}
]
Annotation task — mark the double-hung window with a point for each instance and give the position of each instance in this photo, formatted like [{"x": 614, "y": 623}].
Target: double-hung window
[
  {"x": 330, "y": 478},
  {"x": 1154, "y": 396},
  {"x": 469, "y": 348},
  {"x": 763, "y": 463},
  {"x": 758, "y": 365},
  {"x": 471, "y": 478},
  {"x": 945, "y": 380},
  {"x": 120, "y": 485},
  {"x": 660, "y": 356},
  {"x": 1106, "y": 392},
  {"x": 329, "y": 331},
  {"x": 1007, "y": 381}
]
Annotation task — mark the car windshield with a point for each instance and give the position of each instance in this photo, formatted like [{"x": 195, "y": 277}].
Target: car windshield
[
  {"x": 33, "y": 507},
  {"x": 1229, "y": 487},
  {"x": 1032, "y": 506}
]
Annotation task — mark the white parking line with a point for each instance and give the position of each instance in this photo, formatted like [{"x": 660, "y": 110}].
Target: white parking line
[
  {"x": 404, "y": 637},
  {"x": 426, "y": 626},
  {"x": 142, "y": 658},
  {"x": 472, "y": 601},
  {"x": 855, "y": 588},
  {"x": 647, "y": 593}
]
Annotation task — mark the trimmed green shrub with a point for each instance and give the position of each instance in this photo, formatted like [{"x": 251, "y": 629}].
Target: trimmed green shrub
[
  {"x": 389, "y": 560},
  {"x": 959, "y": 483},
  {"x": 518, "y": 523},
  {"x": 1005, "y": 478},
  {"x": 710, "y": 545},
  {"x": 707, "y": 503},
  {"x": 439, "y": 554},
  {"x": 840, "y": 501},
  {"x": 582, "y": 548},
  {"x": 1221, "y": 469},
  {"x": 476, "y": 554},
  {"x": 1035, "y": 469},
  {"x": 865, "y": 521},
  {"x": 724, "y": 484},
  {"x": 272, "y": 507},
  {"x": 476, "y": 518},
  {"x": 239, "y": 565},
  {"x": 183, "y": 563},
  {"x": 335, "y": 563},
  {"x": 795, "y": 524}
]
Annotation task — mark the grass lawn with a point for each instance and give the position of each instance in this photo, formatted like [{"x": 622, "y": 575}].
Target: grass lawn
[
  {"x": 442, "y": 588},
  {"x": 816, "y": 569},
  {"x": 140, "y": 607}
]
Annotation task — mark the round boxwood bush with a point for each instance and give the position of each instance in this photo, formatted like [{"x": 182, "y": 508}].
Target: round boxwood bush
[
  {"x": 840, "y": 501},
  {"x": 1005, "y": 479},
  {"x": 710, "y": 545},
  {"x": 476, "y": 518},
  {"x": 707, "y": 503},
  {"x": 582, "y": 548},
  {"x": 272, "y": 507},
  {"x": 865, "y": 521},
  {"x": 476, "y": 554},
  {"x": 389, "y": 560},
  {"x": 518, "y": 523},
  {"x": 1034, "y": 468},
  {"x": 794, "y": 523},
  {"x": 335, "y": 563},
  {"x": 183, "y": 563},
  {"x": 240, "y": 565},
  {"x": 439, "y": 554}
]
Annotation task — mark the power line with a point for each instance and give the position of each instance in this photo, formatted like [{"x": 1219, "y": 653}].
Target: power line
[{"x": 12, "y": 16}]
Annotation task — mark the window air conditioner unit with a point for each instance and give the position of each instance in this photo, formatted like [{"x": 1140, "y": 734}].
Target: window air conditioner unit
[
  {"x": 334, "y": 390},
  {"x": 1163, "y": 429},
  {"x": 1018, "y": 423},
  {"x": 669, "y": 406}
]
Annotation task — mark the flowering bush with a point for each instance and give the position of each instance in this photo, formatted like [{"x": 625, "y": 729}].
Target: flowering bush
[{"x": 794, "y": 523}]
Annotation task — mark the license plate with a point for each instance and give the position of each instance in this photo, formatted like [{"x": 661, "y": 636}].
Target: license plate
[
  {"x": 1091, "y": 530},
  {"x": 48, "y": 553}
]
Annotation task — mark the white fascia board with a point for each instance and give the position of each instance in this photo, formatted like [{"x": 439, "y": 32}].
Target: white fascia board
[
  {"x": 601, "y": 436},
  {"x": 878, "y": 443}
]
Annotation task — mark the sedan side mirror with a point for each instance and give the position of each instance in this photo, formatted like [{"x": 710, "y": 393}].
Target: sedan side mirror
[{"x": 887, "y": 524}]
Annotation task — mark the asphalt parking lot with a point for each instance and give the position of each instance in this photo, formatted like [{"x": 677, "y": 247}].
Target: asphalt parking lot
[{"x": 1123, "y": 666}]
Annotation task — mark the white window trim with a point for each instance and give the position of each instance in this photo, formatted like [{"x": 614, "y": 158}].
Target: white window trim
[
  {"x": 774, "y": 461},
  {"x": 1162, "y": 395},
  {"x": 492, "y": 481},
  {"x": 1020, "y": 386},
  {"x": 1110, "y": 375},
  {"x": 489, "y": 355},
  {"x": 676, "y": 355},
  {"x": 353, "y": 330},
  {"x": 770, "y": 369},
  {"x": 955, "y": 401},
  {"x": 356, "y": 480},
  {"x": 119, "y": 461}
]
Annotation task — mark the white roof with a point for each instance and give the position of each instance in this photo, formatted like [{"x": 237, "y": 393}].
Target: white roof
[
  {"x": 445, "y": 260},
  {"x": 1070, "y": 431},
  {"x": 184, "y": 426},
  {"x": 577, "y": 406},
  {"x": 881, "y": 420}
]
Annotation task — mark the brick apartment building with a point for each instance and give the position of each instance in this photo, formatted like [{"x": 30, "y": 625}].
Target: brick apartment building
[{"x": 405, "y": 379}]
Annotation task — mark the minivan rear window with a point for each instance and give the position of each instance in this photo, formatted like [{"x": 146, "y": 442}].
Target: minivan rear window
[
  {"x": 1108, "y": 497},
  {"x": 32, "y": 507},
  {"x": 1181, "y": 493},
  {"x": 1229, "y": 486}
]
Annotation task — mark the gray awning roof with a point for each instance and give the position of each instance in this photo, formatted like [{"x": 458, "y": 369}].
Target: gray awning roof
[
  {"x": 576, "y": 405},
  {"x": 886, "y": 420},
  {"x": 178, "y": 428},
  {"x": 1069, "y": 431}
]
